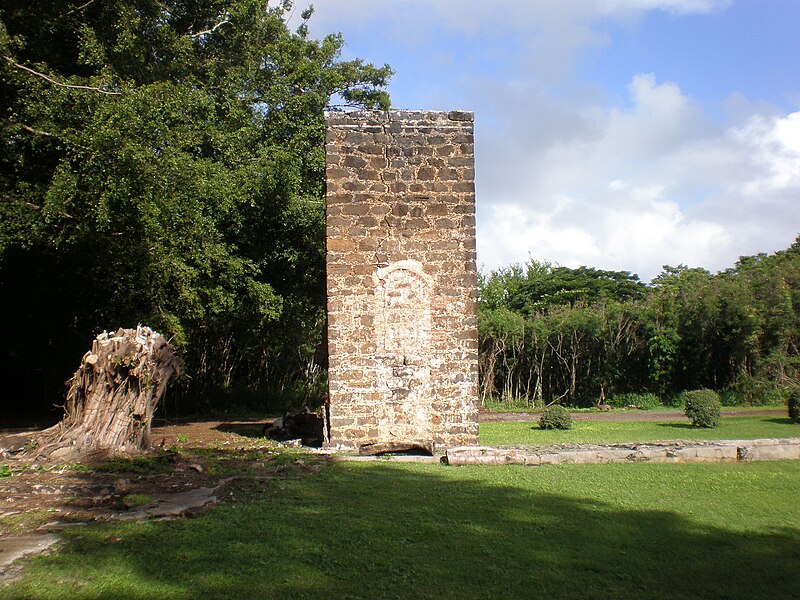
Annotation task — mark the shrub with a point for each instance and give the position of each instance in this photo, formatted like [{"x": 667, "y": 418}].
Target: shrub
[
  {"x": 731, "y": 397},
  {"x": 555, "y": 417},
  {"x": 794, "y": 405},
  {"x": 702, "y": 407}
]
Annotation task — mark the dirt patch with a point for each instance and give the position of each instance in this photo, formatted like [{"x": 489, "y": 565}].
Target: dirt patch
[
  {"x": 203, "y": 434},
  {"x": 190, "y": 464}
]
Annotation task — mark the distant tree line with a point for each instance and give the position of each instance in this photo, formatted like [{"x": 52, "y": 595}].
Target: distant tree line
[{"x": 586, "y": 336}]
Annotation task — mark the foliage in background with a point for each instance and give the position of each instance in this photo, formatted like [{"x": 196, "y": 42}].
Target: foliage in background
[
  {"x": 587, "y": 337},
  {"x": 644, "y": 401},
  {"x": 162, "y": 162}
]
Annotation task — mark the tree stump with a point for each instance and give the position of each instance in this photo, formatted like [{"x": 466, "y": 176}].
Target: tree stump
[{"x": 112, "y": 396}]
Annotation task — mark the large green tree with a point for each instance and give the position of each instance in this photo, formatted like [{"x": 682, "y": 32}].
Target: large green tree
[
  {"x": 581, "y": 335},
  {"x": 162, "y": 161}
]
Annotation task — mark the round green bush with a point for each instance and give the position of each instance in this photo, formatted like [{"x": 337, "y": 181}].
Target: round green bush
[
  {"x": 702, "y": 407},
  {"x": 794, "y": 405},
  {"x": 555, "y": 417}
]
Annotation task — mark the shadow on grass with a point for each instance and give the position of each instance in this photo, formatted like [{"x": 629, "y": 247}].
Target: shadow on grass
[
  {"x": 251, "y": 430},
  {"x": 381, "y": 531},
  {"x": 677, "y": 425},
  {"x": 786, "y": 421}
]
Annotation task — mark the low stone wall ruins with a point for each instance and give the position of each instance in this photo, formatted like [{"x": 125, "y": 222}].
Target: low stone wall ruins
[{"x": 656, "y": 452}]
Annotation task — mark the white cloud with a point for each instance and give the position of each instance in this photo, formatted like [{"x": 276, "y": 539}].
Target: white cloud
[
  {"x": 680, "y": 7},
  {"x": 652, "y": 184},
  {"x": 775, "y": 152},
  {"x": 477, "y": 16}
]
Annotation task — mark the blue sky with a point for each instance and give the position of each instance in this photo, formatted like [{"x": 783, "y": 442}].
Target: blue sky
[{"x": 618, "y": 134}]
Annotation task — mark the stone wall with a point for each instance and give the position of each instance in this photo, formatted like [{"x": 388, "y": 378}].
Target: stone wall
[{"x": 402, "y": 280}]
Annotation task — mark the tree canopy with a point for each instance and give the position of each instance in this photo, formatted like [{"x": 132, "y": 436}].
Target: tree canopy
[
  {"x": 583, "y": 335},
  {"x": 162, "y": 162}
]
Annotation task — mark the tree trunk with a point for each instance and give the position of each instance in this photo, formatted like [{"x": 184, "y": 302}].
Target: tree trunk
[{"x": 112, "y": 396}]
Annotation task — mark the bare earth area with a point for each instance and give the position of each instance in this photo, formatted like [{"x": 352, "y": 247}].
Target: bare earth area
[
  {"x": 210, "y": 455},
  {"x": 194, "y": 465}
]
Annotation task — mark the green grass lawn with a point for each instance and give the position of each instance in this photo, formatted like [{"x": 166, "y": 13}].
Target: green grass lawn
[
  {"x": 503, "y": 407},
  {"x": 380, "y": 530},
  {"x": 730, "y": 428}
]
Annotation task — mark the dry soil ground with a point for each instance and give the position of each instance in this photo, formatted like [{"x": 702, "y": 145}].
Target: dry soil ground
[{"x": 222, "y": 457}]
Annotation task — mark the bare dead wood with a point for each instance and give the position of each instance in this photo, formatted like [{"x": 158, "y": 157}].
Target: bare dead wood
[
  {"x": 59, "y": 83},
  {"x": 76, "y": 9},
  {"x": 225, "y": 21},
  {"x": 35, "y": 131},
  {"x": 112, "y": 396}
]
